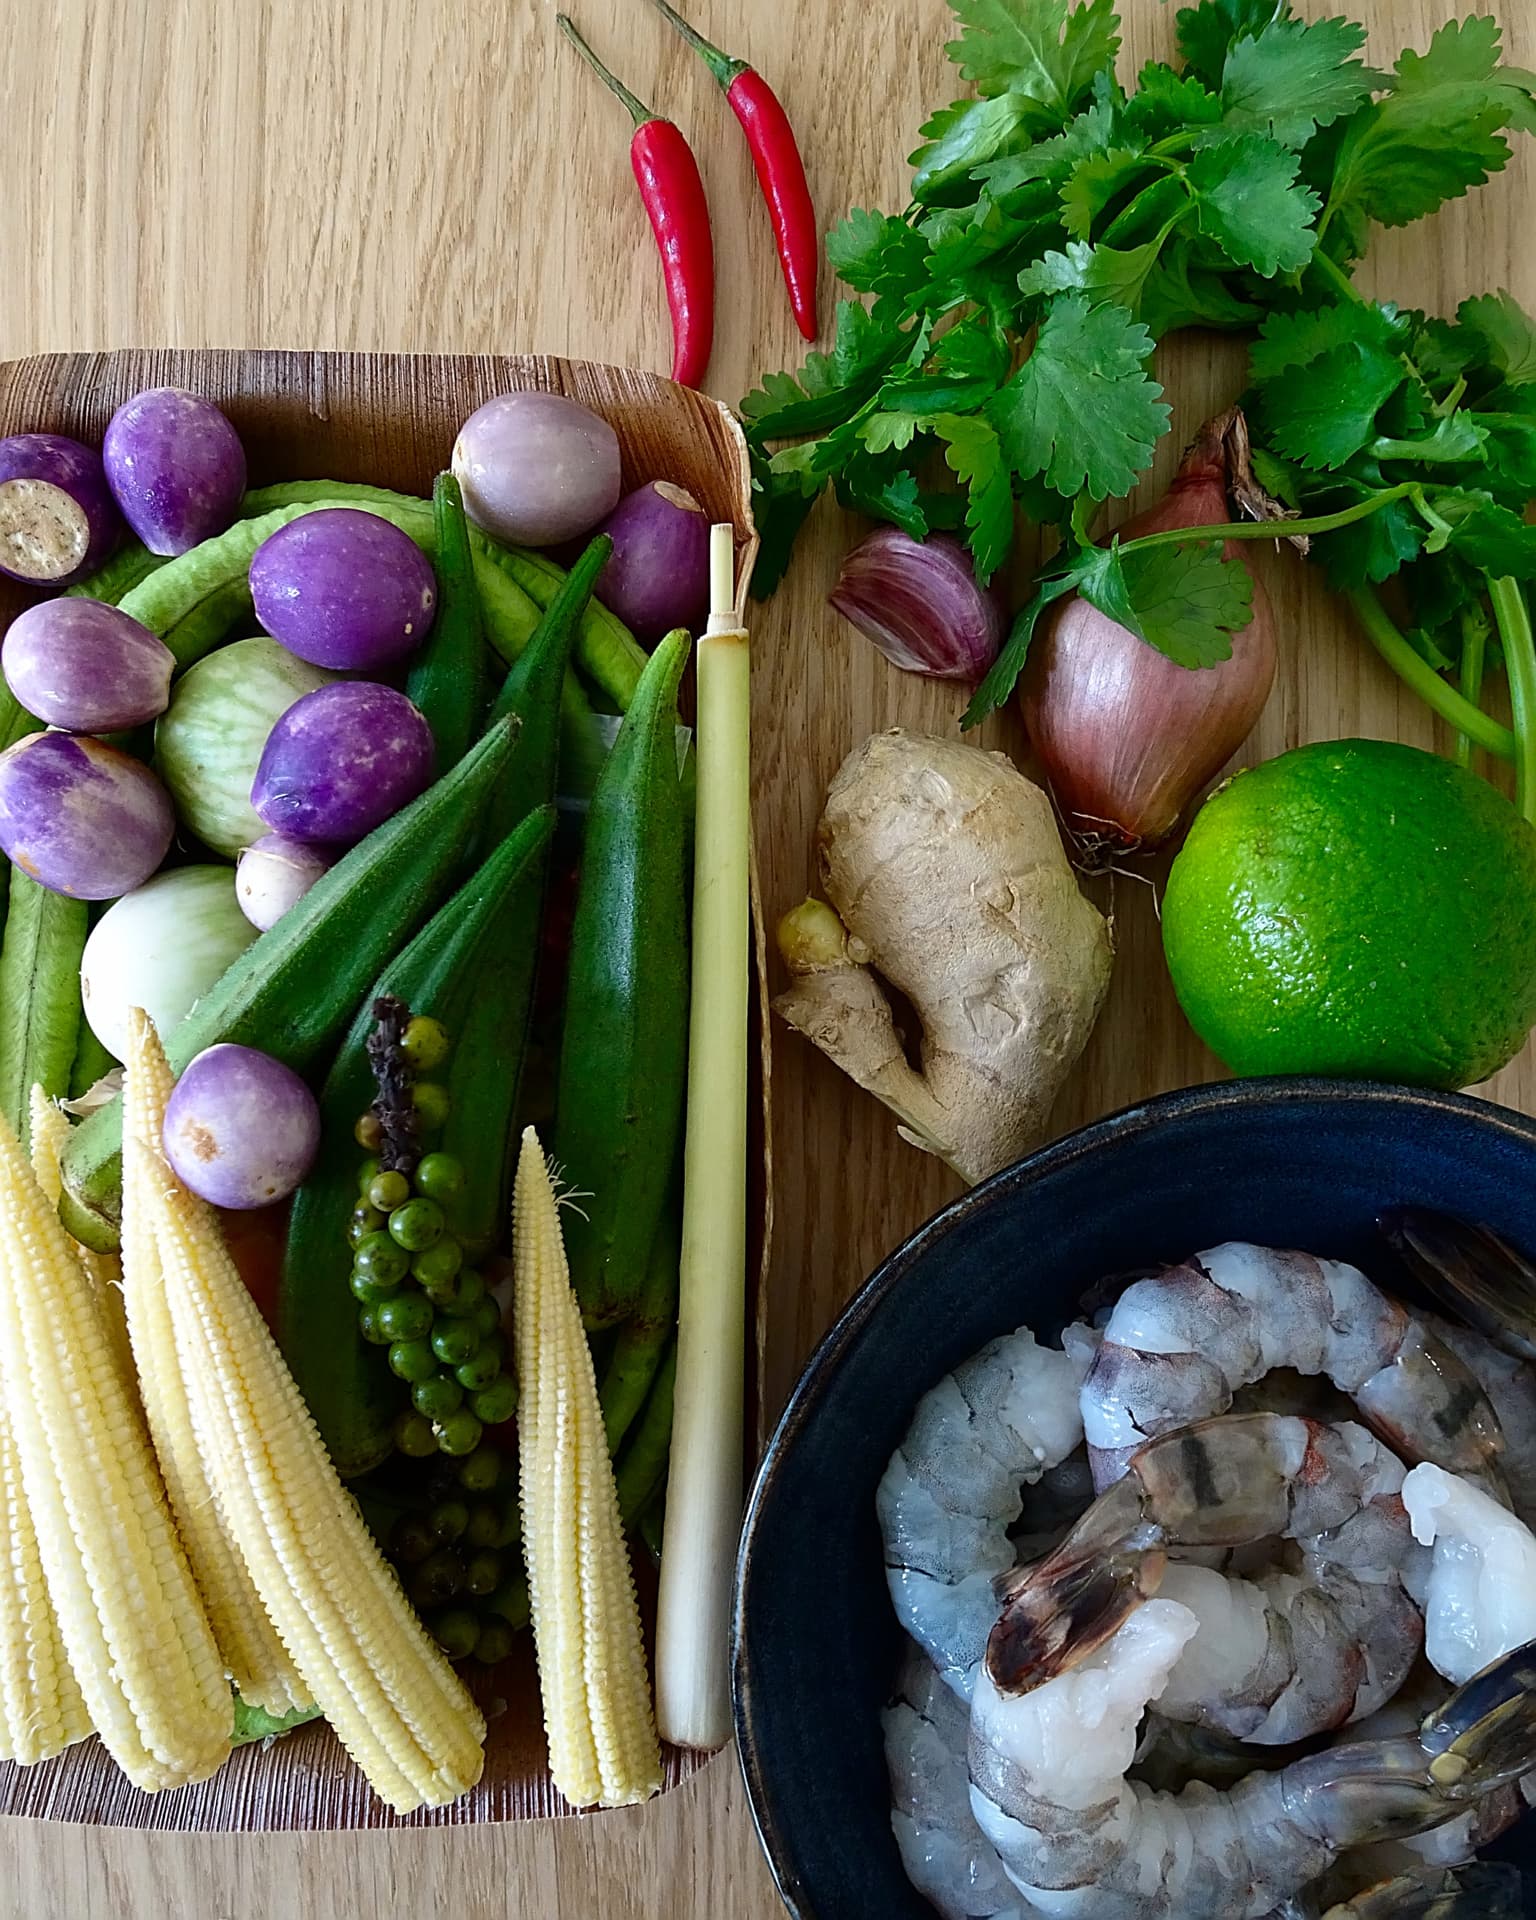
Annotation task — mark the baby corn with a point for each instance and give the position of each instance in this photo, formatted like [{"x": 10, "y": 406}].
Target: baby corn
[
  {"x": 50, "y": 1132},
  {"x": 254, "y": 1656},
  {"x": 392, "y": 1698},
  {"x": 128, "y": 1613},
  {"x": 586, "y": 1625}
]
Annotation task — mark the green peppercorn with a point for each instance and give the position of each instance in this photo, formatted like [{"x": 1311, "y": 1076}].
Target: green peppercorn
[
  {"x": 410, "y": 1540},
  {"x": 386, "y": 1191},
  {"x": 430, "y": 1098},
  {"x": 438, "y": 1578},
  {"x": 368, "y": 1327},
  {"x": 479, "y": 1370},
  {"x": 468, "y": 1290},
  {"x": 482, "y": 1573},
  {"x": 454, "y": 1342},
  {"x": 365, "y": 1290},
  {"x": 481, "y": 1471},
  {"x": 385, "y": 1262},
  {"x": 448, "y": 1519},
  {"x": 495, "y": 1403},
  {"x": 407, "y": 1316},
  {"x": 486, "y": 1316},
  {"x": 459, "y": 1433},
  {"x": 424, "y": 1043},
  {"x": 365, "y": 1220},
  {"x": 413, "y": 1360},
  {"x": 417, "y": 1224},
  {"x": 437, "y": 1397},
  {"x": 457, "y": 1633},
  {"x": 369, "y": 1131},
  {"x": 367, "y": 1173},
  {"x": 437, "y": 1266},
  {"x": 413, "y": 1434},
  {"x": 484, "y": 1529},
  {"x": 440, "y": 1176},
  {"x": 493, "y": 1643}
]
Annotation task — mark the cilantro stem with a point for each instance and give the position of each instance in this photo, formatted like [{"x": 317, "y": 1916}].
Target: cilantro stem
[
  {"x": 1474, "y": 644},
  {"x": 1275, "y": 529},
  {"x": 1413, "y": 669},
  {"x": 1514, "y": 618},
  {"x": 1330, "y": 269}
]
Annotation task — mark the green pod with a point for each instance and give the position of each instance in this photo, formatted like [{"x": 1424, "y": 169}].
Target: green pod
[
  {"x": 40, "y": 1017},
  {"x": 643, "y": 1339},
  {"x": 447, "y": 679},
  {"x": 292, "y": 991},
  {"x": 642, "y": 1465},
  {"x": 486, "y": 1070},
  {"x": 347, "y": 1384},
  {"x": 128, "y": 568},
  {"x": 623, "y": 1059}
]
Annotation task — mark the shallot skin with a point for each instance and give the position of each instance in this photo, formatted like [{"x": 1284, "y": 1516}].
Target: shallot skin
[{"x": 1127, "y": 738}]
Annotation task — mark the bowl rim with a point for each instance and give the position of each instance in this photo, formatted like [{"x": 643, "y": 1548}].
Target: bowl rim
[{"x": 828, "y": 1354}]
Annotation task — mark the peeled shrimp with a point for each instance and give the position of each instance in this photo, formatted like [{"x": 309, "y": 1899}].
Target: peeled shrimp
[
  {"x": 1077, "y": 1838},
  {"x": 1278, "y": 1657},
  {"x": 1178, "y": 1346},
  {"x": 947, "y": 1856},
  {"x": 1481, "y": 1591},
  {"x": 954, "y": 1487}
]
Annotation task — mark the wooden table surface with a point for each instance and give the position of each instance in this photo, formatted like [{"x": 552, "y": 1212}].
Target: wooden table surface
[{"x": 415, "y": 175}]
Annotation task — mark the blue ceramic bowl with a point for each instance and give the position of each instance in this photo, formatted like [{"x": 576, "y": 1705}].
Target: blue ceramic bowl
[{"x": 1303, "y": 1163}]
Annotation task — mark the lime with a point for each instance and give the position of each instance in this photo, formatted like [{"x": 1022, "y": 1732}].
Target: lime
[{"x": 1357, "y": 908}]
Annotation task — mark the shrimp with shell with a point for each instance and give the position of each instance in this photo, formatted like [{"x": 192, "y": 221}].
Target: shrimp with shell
[
  {"x": 1180, "y": 1344},
  {"x": 1291, "y": 1651},
  {"x": 955, "y": 1487}
]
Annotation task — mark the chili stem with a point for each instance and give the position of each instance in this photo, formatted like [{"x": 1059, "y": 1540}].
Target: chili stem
[
  {"x": 721, "y": 65},
  {"x": 1474, "y": 643},
  {"x": 1417, "y": 673},
  {"x": 1514, "y": 618},
  {"x": 640, "y": 113}
]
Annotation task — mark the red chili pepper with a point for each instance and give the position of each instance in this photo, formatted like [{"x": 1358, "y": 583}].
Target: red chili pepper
[
  {"x": 780, "y": 169},
  {"x": 673, "y": 193}
]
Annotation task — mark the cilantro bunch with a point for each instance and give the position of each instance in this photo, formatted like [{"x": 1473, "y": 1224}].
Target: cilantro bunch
[
  {"x": 1060, "y": 224},
  {"x": 1408, "y": 445}
]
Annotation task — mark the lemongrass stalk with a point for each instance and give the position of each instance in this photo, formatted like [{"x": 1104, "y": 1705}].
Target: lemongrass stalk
[{"x": 704, "y": 1486}]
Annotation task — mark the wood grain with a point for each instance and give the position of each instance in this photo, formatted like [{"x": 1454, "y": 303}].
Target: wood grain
[{"x": 420, "y": 176}]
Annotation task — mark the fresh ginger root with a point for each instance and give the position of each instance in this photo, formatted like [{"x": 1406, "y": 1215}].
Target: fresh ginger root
[{"x": 949, "y": 879}]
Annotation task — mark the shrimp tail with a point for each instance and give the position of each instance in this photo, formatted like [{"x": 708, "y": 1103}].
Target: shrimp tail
[
  {"x": 1484, "y": 1736},
  {"x": 1471, "y": 1271},
  {"x": 1486, "y": 1891},
  {"x": 1058, "y": 1612}
]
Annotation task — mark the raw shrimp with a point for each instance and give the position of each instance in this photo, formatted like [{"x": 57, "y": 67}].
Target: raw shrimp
[
  {"x": 1510, "y": 1385},
  {"x": 1077, "y": 1838},
  {"x": 947, "y": 1856},
  {"x": 1473, "y": 1271},
  {"x": 1278, "y": 1657},
  {"x": 1179, "y": 1345},
  {"x": 954, "y": 1487},
  {"x": 1481, "y": 1589},
  {"x": 1483, "y": 1892}
]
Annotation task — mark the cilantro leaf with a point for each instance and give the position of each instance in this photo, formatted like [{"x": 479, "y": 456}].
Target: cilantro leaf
[
  {"x": 967, "y": 366},
  {"x": 1180, "y": 294},
  {"x": 1250, "y": 202},
  {"x": 1294, "y": 76},
  {"x": 1082, "y": 410},
  {"x": 1492, "y": 538},
  {"x": 1327, "y": 417},
  {"x": 1035, "y": 47},
  {"x": 970, "y": 133},
  {"x": 974, "y": 453},
  {"x": 1185, "y": 600},
  {"x": 1289, "y": 340},
  {"x": 1371, "y": 550},
  {"x": 831, "y": 386},
  {"x": 869, "y": 486},
  {"x": 1096, "y": 183},
  {"x": 877, "y": 253},
  {"x": 1437, "y": 133},
  {"x": 1102, "y": 272},
  {"x": 781, "y": 508},
  {"x": 1009, "y": 664},
  {"x": 1166, "y": 102},
  {"x": 888, "y": 432},
  {"x": 1506, "y": 333},
  {"x": 1207, "y": 32}
]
